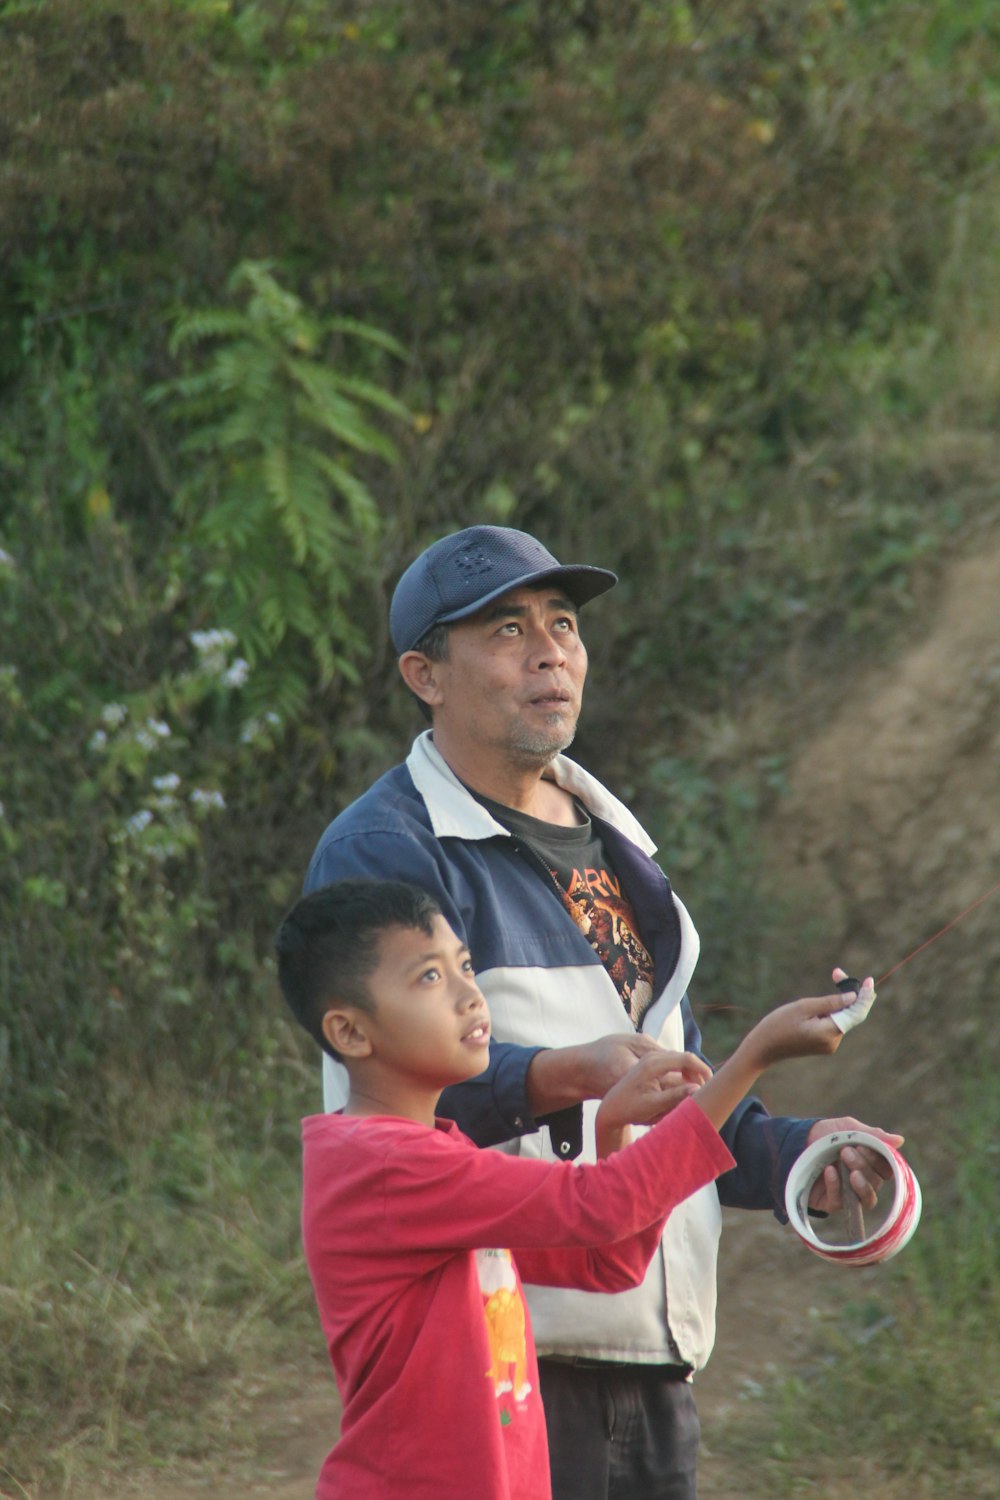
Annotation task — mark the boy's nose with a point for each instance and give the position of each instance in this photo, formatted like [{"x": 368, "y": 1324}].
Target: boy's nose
[{"x": 470, "y": 995}]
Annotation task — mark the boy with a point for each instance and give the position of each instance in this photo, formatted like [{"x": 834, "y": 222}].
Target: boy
[{"x": 402, "y": 1215}]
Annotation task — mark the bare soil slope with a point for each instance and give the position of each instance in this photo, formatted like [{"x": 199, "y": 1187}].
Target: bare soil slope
[
  {"x": 892, "y": 824},
  {"x": 892, "y": 828}
]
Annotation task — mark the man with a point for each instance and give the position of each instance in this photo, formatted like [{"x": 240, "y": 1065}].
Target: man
[{"x": 584, "y": 954}]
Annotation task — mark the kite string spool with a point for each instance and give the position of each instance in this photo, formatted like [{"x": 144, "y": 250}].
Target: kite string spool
[{"x": 897, "y": 1227}]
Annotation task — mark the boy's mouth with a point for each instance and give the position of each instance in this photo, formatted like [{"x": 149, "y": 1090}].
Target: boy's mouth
[{"x": 479, "y": 1033}]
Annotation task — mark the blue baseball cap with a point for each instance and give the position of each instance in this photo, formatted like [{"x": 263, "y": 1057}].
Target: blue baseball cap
[{"x": 461, "y": 573}]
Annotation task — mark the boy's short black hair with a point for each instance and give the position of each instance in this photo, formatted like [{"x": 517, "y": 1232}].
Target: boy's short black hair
[{"x": 328, "y": 944}]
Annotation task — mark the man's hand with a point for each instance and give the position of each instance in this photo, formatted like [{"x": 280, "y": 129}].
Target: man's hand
[
  {"x": 867, "y": 1170},
  {"x": 650, "y": 1089},
  {"x": 563, "y": 1076}
]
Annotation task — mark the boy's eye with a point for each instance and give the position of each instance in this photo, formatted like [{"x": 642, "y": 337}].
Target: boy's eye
[
  {"x": 468, "y": 967},
  {"x": 430, "y": 975}
]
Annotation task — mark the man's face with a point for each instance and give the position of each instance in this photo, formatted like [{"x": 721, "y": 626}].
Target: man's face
[{"x": 513, "y": 680}]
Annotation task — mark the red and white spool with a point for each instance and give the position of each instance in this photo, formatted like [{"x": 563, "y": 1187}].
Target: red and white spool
[{"x": 895, "y": 1227}]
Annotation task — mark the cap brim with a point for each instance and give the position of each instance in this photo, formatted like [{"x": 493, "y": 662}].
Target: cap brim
[{"x": 581, "y": 582}]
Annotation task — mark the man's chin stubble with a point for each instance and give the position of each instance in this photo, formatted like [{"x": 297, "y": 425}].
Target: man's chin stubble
[{"x": 536, "y": 750}]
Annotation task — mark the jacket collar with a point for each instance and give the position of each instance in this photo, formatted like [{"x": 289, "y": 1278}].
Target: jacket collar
[{"x": 455, "y": 813}]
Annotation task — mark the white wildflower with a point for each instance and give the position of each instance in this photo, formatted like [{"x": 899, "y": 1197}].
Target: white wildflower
[
  {"x": 113, "y": 714},
  {"x": 161, "y": 852},
  {"x": 168, "y": 783},
  {"x": 213, "y": 648},
  {"x": 236, "y": 674},
  {"x": 152, "y": 730},
  {"x": 255, "y": 728},
  {"x": 201, "y": 797},
  {"x": 98, "y": 740},
  {"x": 6, "y": 561},
  {"x": 139, "y": 821},
  {"x": 209, "y": 642}
]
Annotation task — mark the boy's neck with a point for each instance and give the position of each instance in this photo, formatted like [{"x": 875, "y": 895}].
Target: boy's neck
[{"x": 381, "y": 1098}]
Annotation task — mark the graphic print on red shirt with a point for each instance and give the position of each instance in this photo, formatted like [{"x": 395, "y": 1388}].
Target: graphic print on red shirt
[{"x": 506, "y": 1323}]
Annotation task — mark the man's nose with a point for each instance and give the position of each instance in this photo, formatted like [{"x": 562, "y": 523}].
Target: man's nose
[{"x": 548, "y": 647}]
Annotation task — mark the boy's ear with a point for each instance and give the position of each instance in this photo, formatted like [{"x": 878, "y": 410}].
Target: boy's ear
[
  {"x": 420, "y": 674},
  {"x": 347, "y": 1032}
]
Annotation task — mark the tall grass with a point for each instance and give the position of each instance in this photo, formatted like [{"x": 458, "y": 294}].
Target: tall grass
[{"x": 142, "y": 1295}]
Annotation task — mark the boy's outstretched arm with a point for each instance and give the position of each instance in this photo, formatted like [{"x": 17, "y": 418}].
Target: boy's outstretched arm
[
  {"x": 804, "y": 1028},
  {"x": 661, "y": 1080}
]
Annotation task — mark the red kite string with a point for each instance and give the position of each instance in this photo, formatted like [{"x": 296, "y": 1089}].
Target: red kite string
[{"x": 947, "y": 928}]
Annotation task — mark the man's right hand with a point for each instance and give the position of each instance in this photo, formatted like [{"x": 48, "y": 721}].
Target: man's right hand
[{"x": 562, "y": 1076}]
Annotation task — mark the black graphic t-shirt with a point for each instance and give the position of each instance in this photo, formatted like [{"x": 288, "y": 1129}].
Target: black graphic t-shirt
[{"x": 593, "y": 896}]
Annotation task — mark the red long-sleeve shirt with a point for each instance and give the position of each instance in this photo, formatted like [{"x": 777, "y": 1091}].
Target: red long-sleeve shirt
[{"x": 426, "y": 1325}]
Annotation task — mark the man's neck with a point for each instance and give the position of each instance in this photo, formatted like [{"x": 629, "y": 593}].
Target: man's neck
[{"x": 526, "y": 789}]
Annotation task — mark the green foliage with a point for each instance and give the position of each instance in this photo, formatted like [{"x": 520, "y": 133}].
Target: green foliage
[
  {"x": 286, "y": 527},
  {"x": 704, "y": 295}
]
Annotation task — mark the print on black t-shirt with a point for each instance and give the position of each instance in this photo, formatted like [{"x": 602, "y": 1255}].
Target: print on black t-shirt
[
  {"x": 595, "y": 901},
  {"x": 592, "y": 894}
]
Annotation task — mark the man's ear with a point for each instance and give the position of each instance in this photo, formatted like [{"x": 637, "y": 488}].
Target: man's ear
[
  {"x": 421, "y": 675},
  {"x": 347, "y": 1032}
]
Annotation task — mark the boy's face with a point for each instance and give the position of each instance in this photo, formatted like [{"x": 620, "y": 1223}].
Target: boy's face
[{"x": 431, "y": 1025}]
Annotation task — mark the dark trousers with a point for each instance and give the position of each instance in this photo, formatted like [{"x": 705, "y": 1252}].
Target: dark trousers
[{"x": 619, "y": 1432}]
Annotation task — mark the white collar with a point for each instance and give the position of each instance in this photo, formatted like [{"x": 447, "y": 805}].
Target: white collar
[{"x": 455, "y": 812}]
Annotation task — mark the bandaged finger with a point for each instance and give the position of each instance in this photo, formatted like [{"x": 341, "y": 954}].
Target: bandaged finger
[{"x": 853, "y": 1015}]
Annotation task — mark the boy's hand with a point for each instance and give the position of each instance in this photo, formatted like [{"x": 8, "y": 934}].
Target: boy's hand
[
  {"x": 803, "y": 1028},
  {"x": 654, "y": 1086}
]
